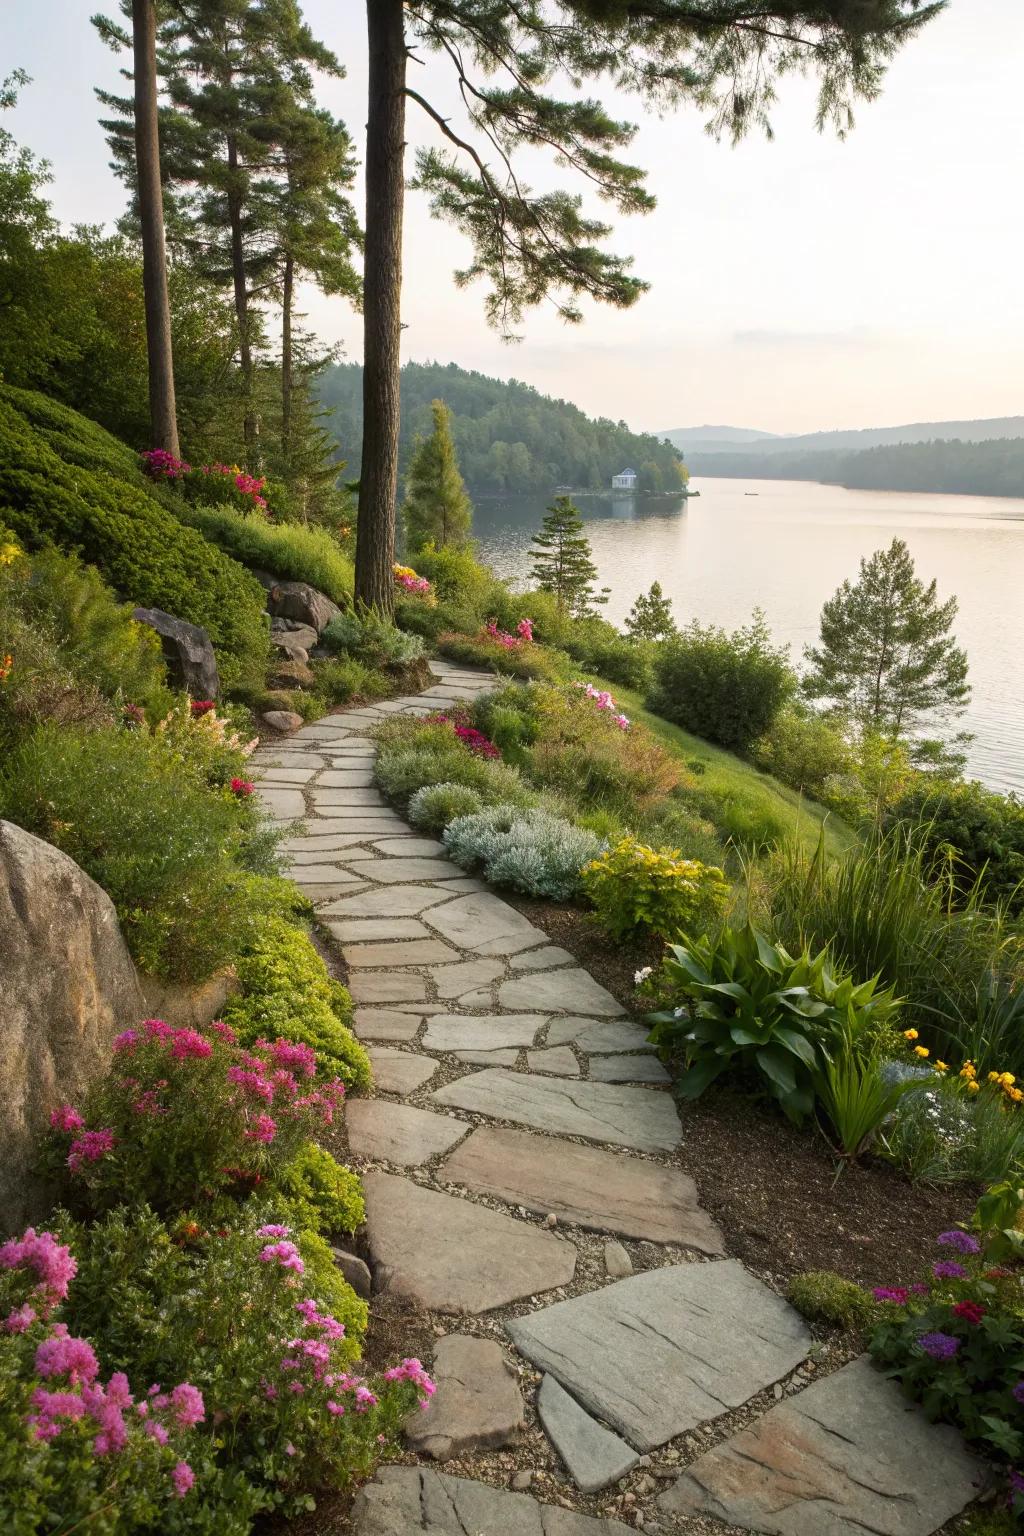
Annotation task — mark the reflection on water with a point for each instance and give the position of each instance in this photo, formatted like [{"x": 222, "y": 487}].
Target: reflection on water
[{"x": 785, "y": 545}]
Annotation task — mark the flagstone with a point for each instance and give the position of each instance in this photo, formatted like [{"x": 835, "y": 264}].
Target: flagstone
[
  {"x": 451, "y": 1255},
  {"x": 594, "y": 1456},
  {"x": 612, "y": 1035},
  {"x": 415, "y": 847},
  {"x": 558, "y": 1060},
  {"x": 666, "y": 1350},
  {"x": 351, "y": 930},
  {"x": 353, "y": 796},
  {"x": 386, "y": 1024},
  {"x": 481, "y": 919},
  {"x": 456, "y": 1032},
  {"x": 477, "y": 1404},
  {"x": 399, "y": 1071},
  {"x": 453, "y": 981},
  {"x": 383, "y": 987},
  {"x": 402, "y": 1500},
  {"x": 542, "y": 959},
  {"x": 610, "y": 1112},
  {"x": 397, "y": 871},
  {"x": 571, "y": 991},
  {"x": 627, "y": 1069},
  {"x": 399, "y": 1133},
  {"x": 397, "y": 952},
  {"x": 603, "y": 1191},
  {"x": 282, "y": 804},
  {"x": 397, "y": 901},
  {"x": 346, "y": 778}
]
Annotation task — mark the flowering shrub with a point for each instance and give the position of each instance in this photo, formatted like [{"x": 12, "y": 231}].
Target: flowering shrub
[
  {"x": 214, "y": 746},
  {"x": 603, "y": 700},
  {"x": 531, "y": 851},
  {"x": 465, "y": 732},
  {"x": 284, "y": 1402},
  {"x": 641, "y": 890},
  {"x": 285, "y": 992},
  {"x": 520, "y": 659},
  {"x": 77, "y": 1444},
  {"x": 956, "y": 1344},
  {"x": 185, "y": 1116},
  {"x": 956, "y": 1126},
  {"x": 372, "y": 640},
  {"x": 746, "y": 1005},
  {"x": 212, "y": 484},
  {"x": 407, "y": 579},
  {"x": 523, "y": 635},
  {"x": 414, "y": 753}
]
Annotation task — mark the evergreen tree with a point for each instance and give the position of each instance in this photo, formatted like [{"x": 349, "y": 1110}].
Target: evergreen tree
[
  {"x": 437, "y": 508},
  {"x": 562, "y": 563},
  {"x": 532, "y": 246},
  {"x": 886, "y": 658},
  {"x": 650, "y": 617}
]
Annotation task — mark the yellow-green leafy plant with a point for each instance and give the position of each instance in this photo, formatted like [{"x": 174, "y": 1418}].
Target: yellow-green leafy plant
[
  {"x": 639, "y": 890},
  {"x": 322, "y": 1195},
  {"x": 822, "y": 1296}
]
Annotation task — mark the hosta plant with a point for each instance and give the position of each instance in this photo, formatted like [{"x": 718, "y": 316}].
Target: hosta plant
[{"x": 745, "y": 1005}]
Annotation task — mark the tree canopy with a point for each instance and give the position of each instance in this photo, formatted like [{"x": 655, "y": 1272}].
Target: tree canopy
[{"x": 437, "y": 509}]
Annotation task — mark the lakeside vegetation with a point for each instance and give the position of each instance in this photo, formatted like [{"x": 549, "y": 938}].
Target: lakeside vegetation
[{"x": 950, "y": 467}]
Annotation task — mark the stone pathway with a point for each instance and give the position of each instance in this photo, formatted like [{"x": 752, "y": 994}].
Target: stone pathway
[{"x": 521, "y": 1189}]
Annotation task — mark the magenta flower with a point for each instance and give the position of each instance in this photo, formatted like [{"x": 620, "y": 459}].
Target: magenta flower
[
  {"x": 225, "y": 1031},
  {"x": 20, "y": 1320},
  {"x": 54, "y": 1264},
  {"x": 127, "y": 1040},
  {"x": 263, "y": 1128},
  {"x": 188, "y": 1406},
  {"x": 948, "y": 1269},
  {"x": 963, "y": 1242},
  {"x": 285, "y": 1254},
  {"x": 89, "y": 1148},
  {"x": 293, "y": 1055},
  {"x": 66, "y": 1118},
  {"x": 182, "y": 1477},
  {"x": 189, "y": 1042},
  {"x": 897, "y": 1294},
  {"x": 63, "y": 1355},
  {"x": 273, "y": 1230}
]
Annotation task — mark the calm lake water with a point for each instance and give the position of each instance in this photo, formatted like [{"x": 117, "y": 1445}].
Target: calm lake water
[{"x": 786, "y": 548}]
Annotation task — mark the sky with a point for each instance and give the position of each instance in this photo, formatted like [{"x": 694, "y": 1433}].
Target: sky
[{"x": 801, "y": 284}]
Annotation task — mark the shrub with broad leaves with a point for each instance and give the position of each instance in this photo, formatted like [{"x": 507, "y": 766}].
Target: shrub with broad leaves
[{"x": 638, "y": 890}]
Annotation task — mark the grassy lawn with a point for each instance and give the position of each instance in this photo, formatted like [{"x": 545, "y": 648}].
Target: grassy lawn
[{"x": 741, "y": 801}]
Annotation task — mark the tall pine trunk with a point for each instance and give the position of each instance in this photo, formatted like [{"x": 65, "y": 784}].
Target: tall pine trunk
[
  {"x": 163, "y": 420},
  {"x": 286, "y": 356},
  {"x": 241, "y": 296},
  {"x": 382, "y": 292}
]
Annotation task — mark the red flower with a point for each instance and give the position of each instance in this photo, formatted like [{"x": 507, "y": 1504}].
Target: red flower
[
  {"x": 971, "y": 1311},
  {"x": 242, "y": 787},
  {"x": 202, "y": 706}
]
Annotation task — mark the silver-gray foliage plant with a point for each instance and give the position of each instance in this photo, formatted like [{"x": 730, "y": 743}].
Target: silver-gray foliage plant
[{"x": 533, "y": 851}]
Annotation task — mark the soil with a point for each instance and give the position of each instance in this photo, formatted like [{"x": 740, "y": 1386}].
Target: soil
[{"x": 785, "y": 1202}]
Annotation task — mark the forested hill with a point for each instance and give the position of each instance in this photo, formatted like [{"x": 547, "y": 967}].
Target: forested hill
[
  {"x": 694, "y": 440},
  {"x": 993, "y": 468},
  {"x": 509, "y": 436}
]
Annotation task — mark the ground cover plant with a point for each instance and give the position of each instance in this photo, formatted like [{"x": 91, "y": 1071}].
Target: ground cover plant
[{"x": 532, "y": 850}]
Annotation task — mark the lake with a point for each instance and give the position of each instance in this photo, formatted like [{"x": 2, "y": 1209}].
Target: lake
[{"x": 785, "y": 545}]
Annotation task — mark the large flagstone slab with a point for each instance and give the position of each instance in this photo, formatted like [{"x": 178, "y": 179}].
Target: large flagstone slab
[
  {"x": 570, "y": 991},
  {"x": 602, "y": 1035},
  {"x": 399, "y": 1133},
  {"x": 603, "y": 1191},
  {"x": 477, "y": 1405},
  {"x": 663, "y": 1351},
  {"x": 489, "y": 1032},
  {"x": 847, "y": 1456},
  {"x": 403, "y": 1500},
  {"x": 385, "y": 987},
  {"x": 612, "y": 1112},
  {"x": 450, "y": 1255},
  {"x": 396, "y": 901},
  {"x": 386, "y": 1024},
  {"x": 398, "y": 871},
  {"x": 282, "y": 804},
  {"x": 386, "y": 953},
  {"x": 467, "y": 977},
  {"x": 480, "y": 921},
  {"x": 399, "y": 1071}
]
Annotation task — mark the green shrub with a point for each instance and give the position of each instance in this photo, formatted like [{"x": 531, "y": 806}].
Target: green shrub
[
  {"x": 727, "y": 688},
  {"x": 415, "y": 753},
  {"x": 803, "y": 749},
  {"x": 287, "y": 993},
  {"x": 189, "y": 1120},
  {"x": 822, "y": 1296},
  {"x": 435, "y": 805},
  {"x": 420, "y": 618},
  {"x": 646, "y": 891},
  {"x": 984, "y": 829},
  {"x": 113, "y": 522},
  {"x": 289, "y": 551},
  {"x": 170, "y": 850},
  {"x": 371, "y": 640},
  {"x": 741, "y": 1004},
  {"x": 456, "y": 576},
  {"x": 481, "y": 651},
  {"x": 321, "y": 1194},
  {"x": 589, "y": 752},
  {"x": 531, "y": 851},
  {"x": 946, "y": 1133}
]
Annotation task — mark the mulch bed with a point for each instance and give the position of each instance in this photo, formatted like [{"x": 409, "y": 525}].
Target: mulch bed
[{"x": 784, "y": 1201}]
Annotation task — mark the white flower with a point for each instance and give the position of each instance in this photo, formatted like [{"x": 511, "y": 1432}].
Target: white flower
[{"x": 639, "y": 976}]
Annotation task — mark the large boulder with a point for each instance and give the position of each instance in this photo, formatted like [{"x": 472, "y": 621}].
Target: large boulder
[
  {"x": 297, "y": 600},
  {"x": 187, "y": 651},
  {"x": 67, "y": 987}
]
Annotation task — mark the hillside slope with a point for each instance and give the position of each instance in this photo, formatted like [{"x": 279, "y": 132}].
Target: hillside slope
[{"x": 510, "y": 437}]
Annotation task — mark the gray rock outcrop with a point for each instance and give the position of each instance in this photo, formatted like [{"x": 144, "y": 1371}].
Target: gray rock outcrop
[{"x": 187, "y": 650}]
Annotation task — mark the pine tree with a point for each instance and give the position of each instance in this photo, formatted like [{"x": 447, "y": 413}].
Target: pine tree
[
  {"x": 886, "y": 658},
  {"x": 562, "y": 563},
  {"x": 650, "y": 617},
  {"x": 437, "y": 507}
]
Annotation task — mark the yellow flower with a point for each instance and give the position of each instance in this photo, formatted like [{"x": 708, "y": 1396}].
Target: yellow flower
[
  {"x": 921, "y": 1050},
  {"x": 1007, "y": 1078},
  {"x": 910, "y": 1034},
  {"x": 994, "y": 1077},
  {"x": 940, "y": 1066},
  {"x": 1015, "y": 1094},
  {"x": 8, "y": 554},
  {"x": 969, "y": 1071},
  {"x": 973, "y": 1087}
]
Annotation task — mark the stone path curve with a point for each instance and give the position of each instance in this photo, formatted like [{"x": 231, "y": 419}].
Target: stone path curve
[{"x": 520, "y": 1187}]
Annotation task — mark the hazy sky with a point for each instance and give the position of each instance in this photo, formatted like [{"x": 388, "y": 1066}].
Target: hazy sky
[{"x": 801, "y": 284}]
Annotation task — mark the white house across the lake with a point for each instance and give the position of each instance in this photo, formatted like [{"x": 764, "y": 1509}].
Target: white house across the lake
[{"x": 626, "y": 481}]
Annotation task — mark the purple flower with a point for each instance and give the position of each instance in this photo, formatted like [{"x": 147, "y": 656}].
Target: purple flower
[
  {"x": 896, "y": 1293},
  {"x": 948, "y": 1269},
  {"x": 963, "y": 1242},
  {"x": 940, "y": 1346},
  {"x": 1018, "y": 1392}
]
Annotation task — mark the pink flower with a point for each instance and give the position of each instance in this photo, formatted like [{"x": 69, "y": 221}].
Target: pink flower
[
  {"x": 20, "y": 1320},
  {"x": 157, "y": 1432},
  {"x": 127, "y": 1040},
  {"x": 263, "y": 1128},
  {"x": 285, "y": 1254},
  {"x": 252, "y": 1081},
  {"x": 53, "y": 1262},
  {"x": 242, "y": 787},
  {"x": 63, "y": 1355},
  {"x": 225, "y": 1031},
  {"x": 89, "y": 1148},
  {"x": 201, "y": 706},
  {"x": 182, "y": 1477},
  {"x": 273, "y": 1230},
  {"x": 364, "y": 1399},
  {"x": 300, "y": 1058},
  {"x": 335, "y": 1408},
  {"x": 189, "y": 1042},
  {"x": 525, "y": 629},
  {"x": 188, "y": 1406},
  {"x": 66, "y": 1118},
  {"x": 156, "y": 1029}
]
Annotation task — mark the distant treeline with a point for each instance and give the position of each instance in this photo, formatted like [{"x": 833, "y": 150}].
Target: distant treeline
[
  {"x": 994, "y": 468},
  {"x": 509, "y": 436}
]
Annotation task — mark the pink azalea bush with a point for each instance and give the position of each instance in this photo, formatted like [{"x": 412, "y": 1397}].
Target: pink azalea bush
[
  {"x": 216, "y": 484},
  {"x": 523, "y": 635},
  {"x": 465, "y": 731},
  {"x": 603, "y": 700},
  {"x": 73, "y": 1442},
  {"x": 187, "y": 1116}
]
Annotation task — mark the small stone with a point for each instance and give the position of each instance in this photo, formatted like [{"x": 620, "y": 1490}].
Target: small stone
[
  {"x": 355, "y": 1271},
  {"x": 594, "y": 1456},
  {"x": 282, "y": 720},
  {"x": 777, "y": 1391},
  {"x": 550, "y": 1220},
  {"x": 477, "y": 1405},
  {"x": 617, "y": 1261},
  {"x": 646, "y": 1485},
  {"x": 521, "y": 1481}
]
